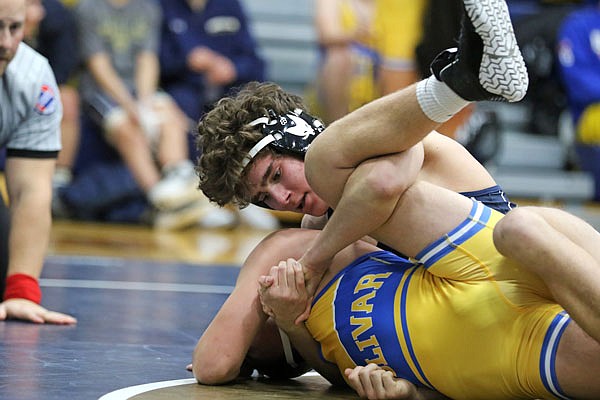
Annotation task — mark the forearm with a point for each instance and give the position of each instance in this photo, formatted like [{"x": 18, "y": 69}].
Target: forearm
[
  {"x": 359, "y": 212},
  {"x": 29, "y": 234},
  {"x": 309, "y": 349},
  {"x": 109, "y": 81},
  {"x": 220, "y": 352},
  {"x": 370, "y": 196}
]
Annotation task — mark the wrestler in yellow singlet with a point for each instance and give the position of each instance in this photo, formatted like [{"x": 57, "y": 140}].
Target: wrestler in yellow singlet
[
  {"x": 398, "y": 28},
  {"x": 362, "y": 87},
  {"x": 462, "y": 320}
]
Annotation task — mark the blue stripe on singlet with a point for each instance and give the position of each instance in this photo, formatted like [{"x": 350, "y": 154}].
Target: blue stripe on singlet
[
  {"x": 548, "y": 355},
  {"x": 476, "y": 220},
  {"x": 405, "y": 329},
  {"x": 364, "y": 312}
]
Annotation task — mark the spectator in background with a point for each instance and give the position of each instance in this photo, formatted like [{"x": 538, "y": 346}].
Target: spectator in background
[
  {"x": 398, "y": 30},
  {"x": 348, "y": 67},
  {"x": 50, "y": 28},
  {"x": 207, "y": 49},
  {"x": 579, "y": 59},
  {"x": 70, "y": 3},
  {"x": 119, "y": 45}
]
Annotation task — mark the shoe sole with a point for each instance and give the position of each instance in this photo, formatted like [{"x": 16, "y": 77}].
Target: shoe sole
[
  {"x": 176, "y": 220},
  {"x": 187, "y": 196},
  {"x": 502, "y": 70}
]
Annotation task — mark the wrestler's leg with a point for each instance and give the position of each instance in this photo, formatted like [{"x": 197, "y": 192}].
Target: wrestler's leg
[
  {"x": 424, "y": 213},
  {"x": 563, "y": 251},
  {"x": 578, "y": 364},
  {"x": 486, "y": 66}
]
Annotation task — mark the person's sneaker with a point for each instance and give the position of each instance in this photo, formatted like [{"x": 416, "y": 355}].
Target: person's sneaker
[
  {"x": 184, "y": 217},
  {"x": 258, "y": 218},
  {"x": 218, "y": 218},
  {"x": 488, "y": 64},
  {"x": 60, "y": 180},
  {"x": 178, "y": 187}
]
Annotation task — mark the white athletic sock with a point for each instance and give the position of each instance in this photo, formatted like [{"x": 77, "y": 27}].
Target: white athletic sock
[{"x": 437, "y": 100}]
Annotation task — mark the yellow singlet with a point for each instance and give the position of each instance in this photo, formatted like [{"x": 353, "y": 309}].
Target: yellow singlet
[{"x": 460, "y": 319}]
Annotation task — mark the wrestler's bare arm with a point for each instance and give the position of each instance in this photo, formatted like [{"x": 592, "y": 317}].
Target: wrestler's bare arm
[
  {"x": 368, "y": 199},
  {"x": 221, "y": 350}
]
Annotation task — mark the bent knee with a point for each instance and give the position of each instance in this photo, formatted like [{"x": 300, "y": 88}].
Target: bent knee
[{"x": 516, "y": 228}]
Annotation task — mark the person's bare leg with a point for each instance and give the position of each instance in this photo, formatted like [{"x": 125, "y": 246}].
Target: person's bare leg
[
  {"x": 134, "y": 149},
  {"x": 173, "y": 144},
  {"x": 334, "y": 82},
  {"x": 578, "y": 364},
  {"x": 564, "y": 251}
]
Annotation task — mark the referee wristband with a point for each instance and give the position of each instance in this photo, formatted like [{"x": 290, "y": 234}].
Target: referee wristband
[{"x": 22, "y": 286}]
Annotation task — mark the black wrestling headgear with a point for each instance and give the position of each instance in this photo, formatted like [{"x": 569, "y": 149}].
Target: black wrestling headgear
[{"x": 292, "y": 132}]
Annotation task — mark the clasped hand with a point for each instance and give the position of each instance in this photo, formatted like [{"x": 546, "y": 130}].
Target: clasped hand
[{"x": 283, "y": 294}]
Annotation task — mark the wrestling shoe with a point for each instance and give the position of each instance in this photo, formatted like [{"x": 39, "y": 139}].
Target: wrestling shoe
[{"x": 487, "y": 65}]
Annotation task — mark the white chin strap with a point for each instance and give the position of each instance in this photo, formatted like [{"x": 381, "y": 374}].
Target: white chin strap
[{"x": 287, "y": 349}]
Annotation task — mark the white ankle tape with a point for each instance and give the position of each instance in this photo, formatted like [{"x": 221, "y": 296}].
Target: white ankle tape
[{"x": 437, "y": 100}]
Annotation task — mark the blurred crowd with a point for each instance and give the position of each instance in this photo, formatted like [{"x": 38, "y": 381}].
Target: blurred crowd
[{"x": 135, "y": 76}]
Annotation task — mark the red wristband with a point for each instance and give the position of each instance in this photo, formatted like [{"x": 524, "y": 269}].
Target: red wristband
[{"x": 21, "y": 286}]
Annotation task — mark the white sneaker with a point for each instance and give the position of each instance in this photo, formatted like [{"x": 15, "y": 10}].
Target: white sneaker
[
  {"x": 258, "y": 218},
  {"x": 217, "y": 217},
  {"x": 62, "y": 177},
  {"x": 184, "y": 217},
  {"x": 178, "y": 187}
]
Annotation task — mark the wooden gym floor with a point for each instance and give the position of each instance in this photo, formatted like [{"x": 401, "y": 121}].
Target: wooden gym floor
[{"x": 142, "y": 299}]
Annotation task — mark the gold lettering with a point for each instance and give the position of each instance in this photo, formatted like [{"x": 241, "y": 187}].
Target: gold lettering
[
  {"x": 361, "y": 305},
  {"x": 363, "y": 344},
  {"x": 368, "y": 282},
  {"x": 364, "y": 324}
]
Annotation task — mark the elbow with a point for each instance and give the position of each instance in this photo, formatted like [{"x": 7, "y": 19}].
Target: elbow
[
  {"x": 214, "y": 369},
  {"x": 383, "y": 184},
  {"x": 212, "y": 374}
]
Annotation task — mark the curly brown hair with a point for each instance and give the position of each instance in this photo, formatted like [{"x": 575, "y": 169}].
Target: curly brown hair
[{"x": 225, "y": 136}]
